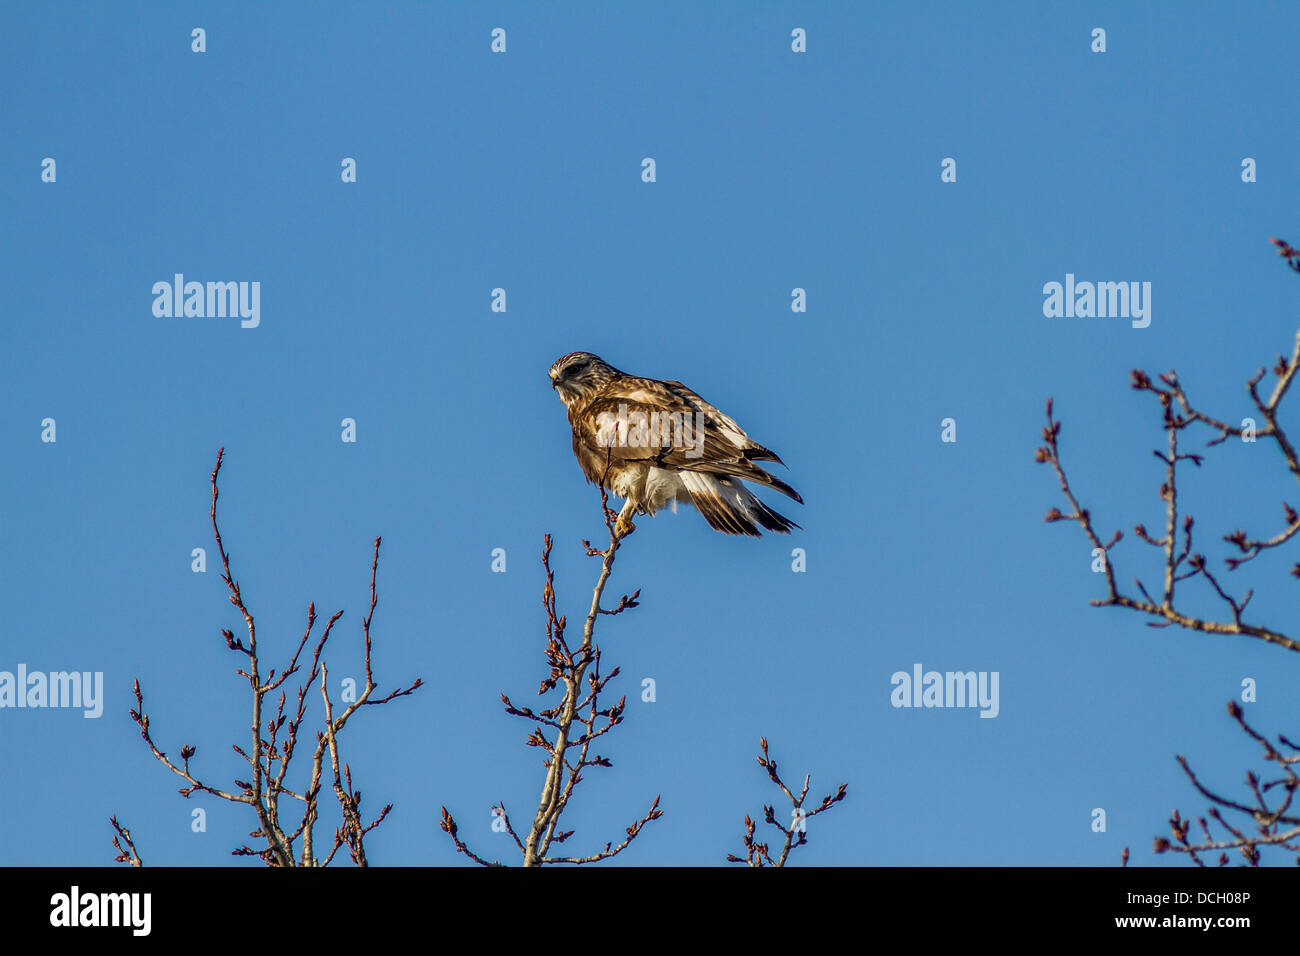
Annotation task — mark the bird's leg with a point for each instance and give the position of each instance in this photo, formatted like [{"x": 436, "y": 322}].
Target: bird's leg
[{"x": 624, "y": 526}]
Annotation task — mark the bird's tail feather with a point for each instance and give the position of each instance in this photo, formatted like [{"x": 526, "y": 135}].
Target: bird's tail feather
[
  {"x": 730, "y": 507},
  {"x": 751, "y": 472}
]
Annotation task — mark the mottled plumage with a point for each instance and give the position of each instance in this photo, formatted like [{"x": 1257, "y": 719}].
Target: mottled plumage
[{"x": 687, "y": 451}]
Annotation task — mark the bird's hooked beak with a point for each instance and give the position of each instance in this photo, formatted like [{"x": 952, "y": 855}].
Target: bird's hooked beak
[{"x": 555, "y": 379}]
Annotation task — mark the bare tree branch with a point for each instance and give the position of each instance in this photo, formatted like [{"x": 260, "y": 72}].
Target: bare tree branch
[
  {"x": 1269, "y": 819},
  {"x": 757, "y": 854},
  {"x": 1178, "y": 415},
  {"x": 270, "y": 753},
  {"x": 128, "y": 853},
  {"x": 576, "y": 721}
]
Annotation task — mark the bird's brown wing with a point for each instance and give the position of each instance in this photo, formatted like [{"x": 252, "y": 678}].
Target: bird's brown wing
[{"x": 725, "y": 448}]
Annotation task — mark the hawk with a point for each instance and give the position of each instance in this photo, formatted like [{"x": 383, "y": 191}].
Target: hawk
[{"x": 657, "y": 443}]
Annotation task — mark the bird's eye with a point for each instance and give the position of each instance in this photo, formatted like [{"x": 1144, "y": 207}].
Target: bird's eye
[{"x": 574, "y": 369}]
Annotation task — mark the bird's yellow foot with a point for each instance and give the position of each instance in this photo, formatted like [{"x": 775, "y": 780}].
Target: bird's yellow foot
[{"x": 624, "y": 526}]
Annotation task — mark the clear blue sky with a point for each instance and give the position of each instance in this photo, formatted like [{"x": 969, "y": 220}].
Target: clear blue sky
[{"x": 775, "y": 170}]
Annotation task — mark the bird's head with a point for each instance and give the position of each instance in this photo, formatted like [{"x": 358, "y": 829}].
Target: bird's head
[{"x": 578, "y": 375}]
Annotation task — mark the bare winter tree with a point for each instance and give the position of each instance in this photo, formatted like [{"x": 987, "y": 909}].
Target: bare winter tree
[
  {"x": 287, "y": 839},
  {"x": 1267, "y": 818},
  {"x": 566, "y": 730}
]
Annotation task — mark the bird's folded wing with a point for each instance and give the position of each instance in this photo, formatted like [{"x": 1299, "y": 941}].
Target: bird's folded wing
[{"x": 650, "y": 422}]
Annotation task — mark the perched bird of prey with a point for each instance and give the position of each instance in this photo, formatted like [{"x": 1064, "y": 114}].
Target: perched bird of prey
[{"x": 662, "y": 444}]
